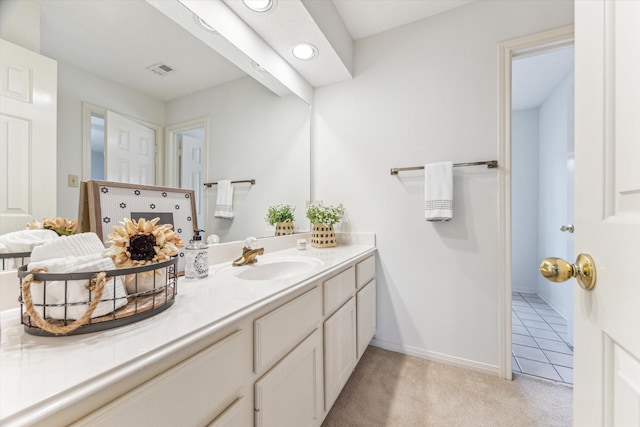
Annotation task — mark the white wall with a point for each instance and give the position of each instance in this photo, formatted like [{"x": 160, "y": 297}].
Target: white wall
[
  {"x": 422, "y": 93},
  {"x": 253, "y": 134},
  {"x": 76, "y": 86},
  {"x": 20, "y": 23},
  {"x": 524, "y": 200},
  {"x": 556, "y": 146}
]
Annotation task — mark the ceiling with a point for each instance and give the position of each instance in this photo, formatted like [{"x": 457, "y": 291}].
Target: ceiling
[
  {"x": 118, "y": 40},
  {"x": 368, "y": 17},
  {"x": 534, "y": 77},
  {"x": 332, "y": 26}
]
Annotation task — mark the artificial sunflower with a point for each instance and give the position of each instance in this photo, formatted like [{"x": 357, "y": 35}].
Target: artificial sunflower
[
  {"x": 62, "y": 226},
  {"x": 142, "y": 242}
]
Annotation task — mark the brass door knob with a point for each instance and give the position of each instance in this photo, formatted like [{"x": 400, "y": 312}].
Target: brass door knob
[{"x": 559, "y": 270}]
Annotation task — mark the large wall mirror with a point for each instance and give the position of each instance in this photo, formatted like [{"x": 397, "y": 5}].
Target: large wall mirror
[{"x": 128, "y": 59}]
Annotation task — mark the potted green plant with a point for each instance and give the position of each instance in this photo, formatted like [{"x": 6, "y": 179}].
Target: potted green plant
[
  {"x": 323, "y": 219},
  {"x": 282, "y": 217}
]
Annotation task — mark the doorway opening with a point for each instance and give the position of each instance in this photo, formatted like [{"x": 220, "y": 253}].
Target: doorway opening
[
  {"x": 186, "y": 160},
  {"x": 512, "y": 203},
  {"x": 542, "y": 163}
]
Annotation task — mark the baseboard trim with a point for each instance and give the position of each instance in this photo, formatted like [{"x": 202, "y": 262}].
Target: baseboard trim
[{"x": 438, "y": 357}]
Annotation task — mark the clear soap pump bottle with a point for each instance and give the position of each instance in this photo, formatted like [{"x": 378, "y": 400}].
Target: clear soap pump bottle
[{"x": 197, "y": 253}]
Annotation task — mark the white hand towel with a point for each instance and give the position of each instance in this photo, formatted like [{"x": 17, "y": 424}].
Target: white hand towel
[
  {"x": 438, "y": 191},
  {"x": 74, "y": 245},
  {"x": 224, "y": 201}
]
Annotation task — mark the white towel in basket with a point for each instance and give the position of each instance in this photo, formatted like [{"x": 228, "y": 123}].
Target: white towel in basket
[
  {"x": 76, "y": 245},
  {"x": 77, "y": 253},
  {"x": 77, "y": 295},
  {"x": 26, "y": 240}
]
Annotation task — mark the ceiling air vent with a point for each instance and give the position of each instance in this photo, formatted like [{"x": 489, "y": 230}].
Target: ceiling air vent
[{"x": 160, "y": 69}]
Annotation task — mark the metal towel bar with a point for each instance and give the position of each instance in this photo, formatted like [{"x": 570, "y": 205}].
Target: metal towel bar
[
  {"x": 250, "y": 181},
  {"x": 491, "y": 164}
]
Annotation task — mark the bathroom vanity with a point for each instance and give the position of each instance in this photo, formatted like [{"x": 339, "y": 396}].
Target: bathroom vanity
[{"x": 268, "y": 344}]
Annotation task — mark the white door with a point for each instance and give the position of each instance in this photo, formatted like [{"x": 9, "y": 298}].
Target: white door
[
  {"x": 28, "y": 123},
  {"x": 607, "y": 212},
  {"x": 130, "y": 153},
  {"x": 192, "y": 169}
]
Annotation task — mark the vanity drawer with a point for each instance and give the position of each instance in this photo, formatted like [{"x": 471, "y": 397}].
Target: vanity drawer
[
  {"x": 192, "y": 392},
  {"x": 365, "y": 271},
  {"x": 239, "y": 414},
  {"x": 277, "y": 332},
  {"x": 339, "y": 289}
]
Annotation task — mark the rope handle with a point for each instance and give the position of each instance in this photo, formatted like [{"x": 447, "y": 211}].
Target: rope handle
[{"x": 97, "y": 285}]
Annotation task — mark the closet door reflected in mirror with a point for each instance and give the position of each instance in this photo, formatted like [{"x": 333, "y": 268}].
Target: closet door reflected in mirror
[{"x": 120, "y": 148}]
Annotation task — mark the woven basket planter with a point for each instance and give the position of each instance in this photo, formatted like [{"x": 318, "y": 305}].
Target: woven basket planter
[
  {"x": 284, "y": 228},
  {"x": 323, "y": 236}
]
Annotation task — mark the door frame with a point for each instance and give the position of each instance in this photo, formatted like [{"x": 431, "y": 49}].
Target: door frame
[
  {"x": 89, "y": 109},
  {"x": 172, "y": 157},
  {"x": 507, "y": 50}
]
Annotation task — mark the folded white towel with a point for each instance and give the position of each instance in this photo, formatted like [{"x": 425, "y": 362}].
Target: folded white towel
[
  {"x": 26, "y": 240},
  {"x": 77, "y": 253},
  {"x": 77, "y": 294},
  {"x": 75, "y": 245},
  {"x": 438, "y": 191},
  {"x": 224, "y": 200}
]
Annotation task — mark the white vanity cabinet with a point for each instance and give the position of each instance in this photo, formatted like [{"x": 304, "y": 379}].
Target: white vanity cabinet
[
  {"x": 302, "y": 386},
  {"x": 339, "y": 350},
  {"x": 366, "y": 302},
  {"x": 277, "y": 332},
  {"x": 280, "y": 360},
  {"x": 366, "y": 308},
  {"x": 290, "y": 394},
  {"x": 347, "y": 331},
  {"x": 193, "y": 392},
  {"x": 239, "y": 414}
]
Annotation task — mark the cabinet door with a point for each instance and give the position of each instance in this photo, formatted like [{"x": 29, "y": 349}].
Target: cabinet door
[
  {"x": 366, "y": 305},
  {"x": 339, "y": 350},
  {"x": 291, "y": 393}
]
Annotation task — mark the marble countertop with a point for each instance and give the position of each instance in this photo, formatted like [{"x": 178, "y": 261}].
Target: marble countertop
[{"x": 40, "y": 374}]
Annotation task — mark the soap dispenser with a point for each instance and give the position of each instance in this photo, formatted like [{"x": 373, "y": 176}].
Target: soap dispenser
[{"x": 197, "y": 253}]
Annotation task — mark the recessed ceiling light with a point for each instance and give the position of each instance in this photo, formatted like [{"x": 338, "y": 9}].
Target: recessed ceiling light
[
  {"x": 259, "y": 5},
  {"x": 304, "y": 51},
  {"x": 204, "y": 24}
]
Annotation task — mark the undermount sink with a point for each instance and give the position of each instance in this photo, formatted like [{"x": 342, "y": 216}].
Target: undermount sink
[{"x": 278, "y": 268}]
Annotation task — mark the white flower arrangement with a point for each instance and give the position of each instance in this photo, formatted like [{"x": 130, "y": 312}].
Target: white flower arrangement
[{"x": 317, "y": 213}]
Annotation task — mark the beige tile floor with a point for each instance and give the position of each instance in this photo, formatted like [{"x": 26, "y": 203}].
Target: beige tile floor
[{"x": 539, "y": 335}]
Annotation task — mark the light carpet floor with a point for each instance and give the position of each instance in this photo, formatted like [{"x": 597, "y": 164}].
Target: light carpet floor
[{"x": 392, "y": 389}]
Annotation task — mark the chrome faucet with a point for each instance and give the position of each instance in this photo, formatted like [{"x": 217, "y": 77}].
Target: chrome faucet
[{"x": 248, "y": 256}]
